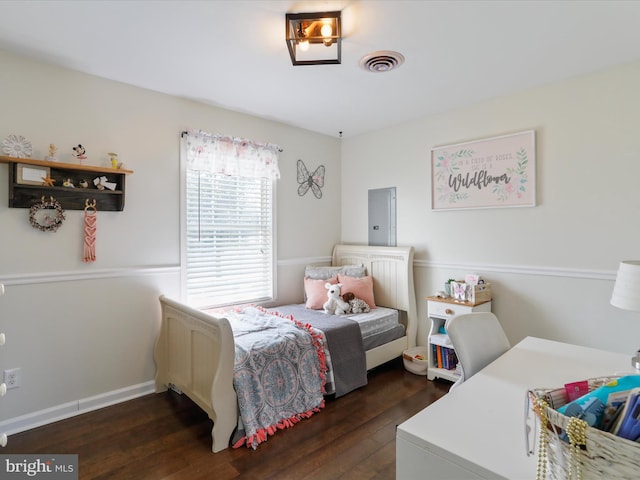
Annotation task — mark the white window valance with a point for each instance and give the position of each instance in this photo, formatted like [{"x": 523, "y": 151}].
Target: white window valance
[{"x": 231, "y": 155}]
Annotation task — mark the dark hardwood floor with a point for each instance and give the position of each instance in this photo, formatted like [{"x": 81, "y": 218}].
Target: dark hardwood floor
[{"x": 166, "y": 436}]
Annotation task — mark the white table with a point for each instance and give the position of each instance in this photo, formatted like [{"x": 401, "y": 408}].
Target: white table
[{"x": 477, "y": 430}]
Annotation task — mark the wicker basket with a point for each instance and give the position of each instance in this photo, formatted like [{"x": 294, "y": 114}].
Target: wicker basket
[
  {"x": 605, "y": 456},
  {"x": 416, "y": 365}
]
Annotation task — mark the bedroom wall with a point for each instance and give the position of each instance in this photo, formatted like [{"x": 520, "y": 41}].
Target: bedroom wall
[
  {"x": 552, "y": 266},
  {"x": 83, "y": 334}
]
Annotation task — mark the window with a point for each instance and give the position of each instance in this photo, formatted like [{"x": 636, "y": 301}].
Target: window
[{"x": 228, "y": 226}]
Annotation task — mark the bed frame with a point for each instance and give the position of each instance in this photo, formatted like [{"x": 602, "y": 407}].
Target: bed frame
[{"x": 195, "y": 351}]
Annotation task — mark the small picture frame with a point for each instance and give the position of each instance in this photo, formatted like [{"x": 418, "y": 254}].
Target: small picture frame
[{"x": 31, "y": 174}]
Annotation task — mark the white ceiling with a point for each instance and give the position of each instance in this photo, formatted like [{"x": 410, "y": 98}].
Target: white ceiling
[{"x": 232, "y": 53}]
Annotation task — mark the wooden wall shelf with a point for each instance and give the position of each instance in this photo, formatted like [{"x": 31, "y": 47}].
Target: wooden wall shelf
[{"x": 24, "y": 196}]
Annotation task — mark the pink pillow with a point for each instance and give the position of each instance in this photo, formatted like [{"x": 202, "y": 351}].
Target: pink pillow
[
  {"x": 361, "y": 287},
  {"x": 316, "y": 292}
]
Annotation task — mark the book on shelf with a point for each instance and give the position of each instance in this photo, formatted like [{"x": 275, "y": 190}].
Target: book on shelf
[
  {"x": 452, "y": 359},
  {"x": 444, "y": 357}
]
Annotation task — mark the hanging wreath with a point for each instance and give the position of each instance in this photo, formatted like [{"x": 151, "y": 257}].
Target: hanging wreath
[{"x": 46, "y": 215}]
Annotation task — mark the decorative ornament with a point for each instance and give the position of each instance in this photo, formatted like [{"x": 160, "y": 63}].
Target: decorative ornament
[
  {"x": 102, "y": 182},
  {"x": 52, "y": 153},
  {"x": 46, "y": 215},
  {"x": 308, "y": 181},
  {"x": 83, "y": 183},
  {"x": 48, "y": 181},
  {"x": 113, "y": 157},
  {"x": 577, "y": 433},
  {"x": 17, "y": 146},
  {"x": 68, "y": 183},
  {"x": 540, "y": 409},
  {"x": 79, "y": 152},
  {"x": 460, "y": 291},
  {"x": 90, "y": 217}
]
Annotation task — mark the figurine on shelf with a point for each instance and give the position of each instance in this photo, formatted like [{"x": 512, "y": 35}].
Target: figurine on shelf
[
  {"x": 48, "y": 181},
  {"x": 102, "y": 182},
  {"x": 114, "y": 159},
  {"x": 83, "y": 183},
  {"x": 79, "y": 152},
  {"x": 68, "y": 183},
  {"x": 52, "y": 153}
]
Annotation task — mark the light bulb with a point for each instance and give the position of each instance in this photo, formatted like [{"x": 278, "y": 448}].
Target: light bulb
[
  {"x": 303, "y": 45},
  {"x": 326, "y": 30}
]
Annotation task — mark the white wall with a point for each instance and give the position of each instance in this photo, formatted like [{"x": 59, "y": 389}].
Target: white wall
[
  {"x": 552, "y": 266},
  {"x": 81, "y": 332},
  {"x": 84, "y": 331}
]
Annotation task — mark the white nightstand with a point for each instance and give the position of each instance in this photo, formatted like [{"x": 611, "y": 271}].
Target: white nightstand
[{"x": 439, "y": 310}]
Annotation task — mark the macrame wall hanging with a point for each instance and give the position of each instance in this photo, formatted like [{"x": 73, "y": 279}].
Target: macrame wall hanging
[{"x": 90, "y": 215}]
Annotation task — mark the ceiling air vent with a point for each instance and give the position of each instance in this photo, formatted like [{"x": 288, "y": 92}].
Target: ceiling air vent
[{"x": 382, "y": 61}]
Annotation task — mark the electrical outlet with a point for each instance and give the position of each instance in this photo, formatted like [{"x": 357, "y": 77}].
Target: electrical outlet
[{"x": 12, "y": 378}]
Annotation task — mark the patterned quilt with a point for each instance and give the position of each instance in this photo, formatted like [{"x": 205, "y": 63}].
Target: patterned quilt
[{"x": 279, "y": 372}]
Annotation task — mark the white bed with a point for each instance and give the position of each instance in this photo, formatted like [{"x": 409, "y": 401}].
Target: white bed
[{"x": 195, "y": 351}]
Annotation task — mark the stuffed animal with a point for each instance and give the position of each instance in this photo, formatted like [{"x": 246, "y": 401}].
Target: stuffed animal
[
  {"x": 334, "y": 304},
  {"x": 356, "y": 305}
]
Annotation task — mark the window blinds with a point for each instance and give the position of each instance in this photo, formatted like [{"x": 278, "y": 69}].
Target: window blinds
[{"x": 229, "y": 239}]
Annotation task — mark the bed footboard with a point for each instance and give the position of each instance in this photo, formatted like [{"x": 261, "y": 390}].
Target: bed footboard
[{"x": 195, "y": 354}]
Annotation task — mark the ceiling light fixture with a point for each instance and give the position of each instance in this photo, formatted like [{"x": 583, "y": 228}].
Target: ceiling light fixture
[{"x": 314, "y": 38}]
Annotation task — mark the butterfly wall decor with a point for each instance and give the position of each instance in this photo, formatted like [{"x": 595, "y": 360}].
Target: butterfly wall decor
[{"x": 313, "y": 181}]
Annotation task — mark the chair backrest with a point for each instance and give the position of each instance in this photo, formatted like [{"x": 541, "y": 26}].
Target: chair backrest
[{"x": 478, "y": 339}]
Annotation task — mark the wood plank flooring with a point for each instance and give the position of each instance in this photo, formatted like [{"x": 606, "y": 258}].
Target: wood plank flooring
[{"x": 166, "y": 436}]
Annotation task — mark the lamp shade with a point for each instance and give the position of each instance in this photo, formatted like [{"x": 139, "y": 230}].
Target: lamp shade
[{"x": 626, "y": 291}]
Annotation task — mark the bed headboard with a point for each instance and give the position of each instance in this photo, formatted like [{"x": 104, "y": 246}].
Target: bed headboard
[{"x": 392, "y": 272}]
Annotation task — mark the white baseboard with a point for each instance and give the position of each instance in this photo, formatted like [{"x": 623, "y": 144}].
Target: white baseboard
[{"x": 77, "y": 407}]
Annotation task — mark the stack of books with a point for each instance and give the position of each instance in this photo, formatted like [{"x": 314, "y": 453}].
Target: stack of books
[{"x": 444, "y": 357}]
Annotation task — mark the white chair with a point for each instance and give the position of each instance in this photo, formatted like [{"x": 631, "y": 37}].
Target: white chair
[{"x": 478, "y": 339}]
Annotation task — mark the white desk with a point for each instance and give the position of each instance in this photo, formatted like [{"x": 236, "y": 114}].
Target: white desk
[{"x": 477, "y": 430}]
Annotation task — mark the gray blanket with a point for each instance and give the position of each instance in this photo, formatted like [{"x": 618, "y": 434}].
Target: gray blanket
[{"x": 344, "y": 341}]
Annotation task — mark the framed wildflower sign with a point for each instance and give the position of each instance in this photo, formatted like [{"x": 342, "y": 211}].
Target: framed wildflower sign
[{"x": 489, "y": 173}]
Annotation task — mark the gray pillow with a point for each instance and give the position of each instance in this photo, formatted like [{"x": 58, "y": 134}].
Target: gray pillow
[
  {"x": 321, "y": 272},
  {"x": 353, "y": 270}
]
